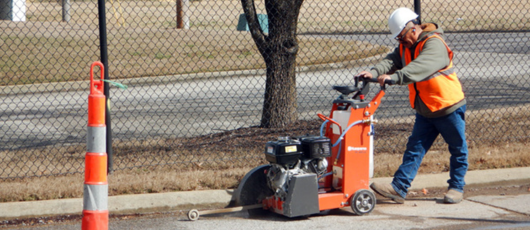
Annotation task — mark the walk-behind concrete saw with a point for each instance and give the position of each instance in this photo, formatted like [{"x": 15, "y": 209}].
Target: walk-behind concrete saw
[{"x": 311, "y": 174}]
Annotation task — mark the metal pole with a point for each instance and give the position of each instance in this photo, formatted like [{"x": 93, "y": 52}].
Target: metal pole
[
  {"x": 183, "y": 21},
  {"x": 66, "y": 10},
  {"x": 105, "y": 61},
  {"x": 180, "y": 22},
  {"x": 417, "y": 9}
]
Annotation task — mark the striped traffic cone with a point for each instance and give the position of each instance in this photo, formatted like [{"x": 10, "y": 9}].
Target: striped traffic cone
[{"x": 95, "y": 192}]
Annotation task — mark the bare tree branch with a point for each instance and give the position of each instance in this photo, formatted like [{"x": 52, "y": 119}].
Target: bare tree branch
[{"x": 253, "y": 23}]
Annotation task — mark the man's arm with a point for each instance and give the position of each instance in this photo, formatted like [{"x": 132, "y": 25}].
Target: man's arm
[{"x": 387, "y": 65}]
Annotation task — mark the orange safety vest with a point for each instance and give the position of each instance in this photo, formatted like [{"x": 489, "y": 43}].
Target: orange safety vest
[{"x": 438, "y": 91}]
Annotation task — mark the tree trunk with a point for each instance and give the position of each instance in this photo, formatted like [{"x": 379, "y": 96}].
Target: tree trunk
[{"x": 279, "y": 49}]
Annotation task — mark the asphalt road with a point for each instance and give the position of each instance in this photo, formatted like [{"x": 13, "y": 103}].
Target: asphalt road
[{"x": 493, "y": 68}]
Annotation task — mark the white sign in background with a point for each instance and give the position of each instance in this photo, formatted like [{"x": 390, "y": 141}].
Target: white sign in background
[{"x": 19, "y": 10}]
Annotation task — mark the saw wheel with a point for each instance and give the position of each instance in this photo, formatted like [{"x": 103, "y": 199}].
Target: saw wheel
[
  {"x": 253, "y": 189},
  {"x": 363, "y": 202}
]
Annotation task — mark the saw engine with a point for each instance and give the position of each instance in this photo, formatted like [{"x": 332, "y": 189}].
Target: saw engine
[{"x": 291, "y": 157}]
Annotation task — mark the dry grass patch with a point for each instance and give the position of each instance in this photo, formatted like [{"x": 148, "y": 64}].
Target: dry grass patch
[
  {"x": 44, "y": 188},
  {"x": 134, "y": 181},
  {"x": 160, "y": 180}
]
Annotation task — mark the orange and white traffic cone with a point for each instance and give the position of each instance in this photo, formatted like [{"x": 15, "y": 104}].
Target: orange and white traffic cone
[{"x": 95, "y": 192}]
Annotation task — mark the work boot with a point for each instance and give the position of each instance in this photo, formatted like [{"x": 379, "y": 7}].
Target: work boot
[
  {"x": 387, "y": 191},
  {"x": 453, "y": 197}
]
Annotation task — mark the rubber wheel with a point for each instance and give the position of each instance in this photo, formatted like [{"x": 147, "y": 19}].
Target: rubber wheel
[
  {"x": 253, "y": 189},
  {"x": 193, "y": 215},
  {"x": 363, "y": 202}
]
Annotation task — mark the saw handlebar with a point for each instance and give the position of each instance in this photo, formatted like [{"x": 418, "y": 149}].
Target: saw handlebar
[{"x": 387, "y": 82}]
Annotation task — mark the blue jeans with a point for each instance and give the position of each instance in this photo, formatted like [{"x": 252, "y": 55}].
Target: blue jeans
[{"x": 452, "y": 127}]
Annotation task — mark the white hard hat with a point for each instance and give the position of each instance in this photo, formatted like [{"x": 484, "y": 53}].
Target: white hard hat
[{"x": 399, "y": 19}]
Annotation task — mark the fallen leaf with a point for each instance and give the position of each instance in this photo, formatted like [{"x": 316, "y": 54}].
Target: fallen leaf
[{"x": 424, "y": 191}]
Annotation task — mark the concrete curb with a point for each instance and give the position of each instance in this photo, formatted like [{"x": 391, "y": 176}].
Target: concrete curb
[{"x": 144, "y": 203}]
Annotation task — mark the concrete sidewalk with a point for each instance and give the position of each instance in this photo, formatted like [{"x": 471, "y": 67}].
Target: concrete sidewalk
[{"x": 143, "y": 203}]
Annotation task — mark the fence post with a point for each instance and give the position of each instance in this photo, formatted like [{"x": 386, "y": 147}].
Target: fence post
[
  {"x": 417, "y": 9},
  {"x": 102, "y": 18},
  {"x": 95, "y": 191},
  {"x": 183, "y": 19},
  {"x": 66, "y": 10}
]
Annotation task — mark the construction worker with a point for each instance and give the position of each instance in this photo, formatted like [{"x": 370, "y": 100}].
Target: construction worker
[{"x": 424, "y": 62}]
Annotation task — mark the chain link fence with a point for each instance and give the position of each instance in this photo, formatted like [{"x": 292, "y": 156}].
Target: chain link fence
[{"x": 192, "y": 74}]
